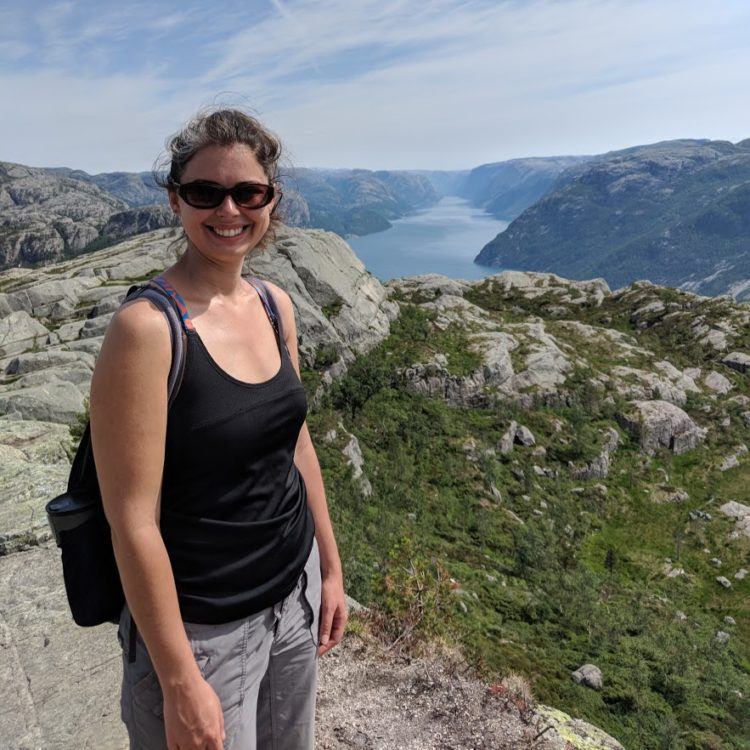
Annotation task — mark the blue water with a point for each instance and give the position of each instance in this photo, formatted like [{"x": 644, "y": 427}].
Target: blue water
[{"x": 444, "y": 238}]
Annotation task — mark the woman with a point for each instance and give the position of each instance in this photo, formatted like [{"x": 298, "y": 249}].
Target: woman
[{"x": 217, "y": 507}]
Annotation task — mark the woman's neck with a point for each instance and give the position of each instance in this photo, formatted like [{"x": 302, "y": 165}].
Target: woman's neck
[{"x": 204, "y": 279}]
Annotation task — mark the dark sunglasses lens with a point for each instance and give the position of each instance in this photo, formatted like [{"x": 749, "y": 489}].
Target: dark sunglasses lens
[
  {"x": 201, "y": 196},
  {"x": 252, "y": 196}
]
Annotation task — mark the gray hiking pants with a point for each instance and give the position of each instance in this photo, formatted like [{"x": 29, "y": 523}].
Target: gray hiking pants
[{"x": 262, "y": 667}]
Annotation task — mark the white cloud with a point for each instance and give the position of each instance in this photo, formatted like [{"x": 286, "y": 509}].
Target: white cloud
[{"x": 387, "y": 84}]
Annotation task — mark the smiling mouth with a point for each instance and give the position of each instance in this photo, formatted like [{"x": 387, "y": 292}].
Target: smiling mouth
[{"x": 228, "y": 232}]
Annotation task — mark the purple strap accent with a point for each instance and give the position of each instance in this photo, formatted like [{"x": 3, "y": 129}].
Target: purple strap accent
[
  {"x": 263, "y": 293},
  {"x": 176, "y": 334},
  {"x": 178, "y": 300},
  {"x": 269, "y": 305}
]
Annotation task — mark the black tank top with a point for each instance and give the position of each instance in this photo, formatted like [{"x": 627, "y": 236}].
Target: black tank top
[{"x": 234, "y": 513}]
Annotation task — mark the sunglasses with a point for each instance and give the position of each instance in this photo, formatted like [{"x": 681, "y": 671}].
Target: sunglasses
[{"x": 201, "y": 194}]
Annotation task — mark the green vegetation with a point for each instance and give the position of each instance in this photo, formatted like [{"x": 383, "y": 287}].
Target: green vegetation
[
  {"x": 99, "y": 243},
  {"x": 332, "y": 310},
  {"x": 553, "y": 573},
  {"x": 77, "y": 429}
]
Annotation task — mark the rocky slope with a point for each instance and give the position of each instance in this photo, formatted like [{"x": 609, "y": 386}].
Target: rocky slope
[
  {"x": 575, "y": 459},
  {"x": 61, "y": 685},
  {"x": 45, "y": 216},
  {"x": 51, "y": 326},
  {"x": 675, "y": 213}
]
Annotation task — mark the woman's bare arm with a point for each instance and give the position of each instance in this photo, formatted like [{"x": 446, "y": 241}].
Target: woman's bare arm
[
  {"x": 128, "y": 432},
  {"x": 334, "y": 611}
]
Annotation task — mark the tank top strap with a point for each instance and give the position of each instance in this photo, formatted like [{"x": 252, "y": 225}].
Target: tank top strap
[
  {"x": 269, "y": 307},
  {"x": 176, "y": 297}
]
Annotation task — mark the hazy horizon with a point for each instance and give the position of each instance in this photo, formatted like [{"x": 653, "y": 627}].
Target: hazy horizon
[{"x": 375, "y": 169}]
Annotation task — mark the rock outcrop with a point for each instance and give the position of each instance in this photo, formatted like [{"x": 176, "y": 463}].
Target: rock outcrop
[
  {"x": 138, "y": 221},
  {"x": 659, "y": 424},
  {"x": 338, "y": 302}
]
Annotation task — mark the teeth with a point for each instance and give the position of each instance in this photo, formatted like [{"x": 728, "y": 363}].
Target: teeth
[{"x": 228, "y": 232}]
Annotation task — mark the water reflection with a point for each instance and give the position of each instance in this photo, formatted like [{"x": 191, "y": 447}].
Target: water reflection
[{"x": 444, "y": 238}]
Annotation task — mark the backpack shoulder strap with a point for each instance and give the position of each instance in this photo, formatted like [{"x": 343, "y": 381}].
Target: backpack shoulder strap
[
  {"x": 82, "y": 471},
  {"x": 167, "y": 305}
]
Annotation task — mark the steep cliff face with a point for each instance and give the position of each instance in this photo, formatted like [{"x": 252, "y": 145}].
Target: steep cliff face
[
  {"x": 673, "y": 212},
  {"x": 505, "y": 189}
]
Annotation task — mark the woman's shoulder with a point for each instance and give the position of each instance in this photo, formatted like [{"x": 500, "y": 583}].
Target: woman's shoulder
[
  {"x": 138, "y": 327},
  {"x": 278, "y": 292}
]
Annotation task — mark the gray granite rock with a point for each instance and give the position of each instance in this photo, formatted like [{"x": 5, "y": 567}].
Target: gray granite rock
[
  {"x": 524, "y": 436},
  {"x": 589, "y": 675},
  {"x": 739, "y": 361},
  {"x": 427, "y": 286},
  {"x": 659, "y": 424},
  {"x": 353, "y": 453},
  {"x": 741, "y": 514},
  {"x": 34, "y": 361},
  {"x": 598, "y": 467},
  {"x": 55, "y": 401},
  {"x": 20, "y": 332},
  {"x": 506, "y": 442},
  {"x": 532, "y": 285},
  {"x": 137, "y": 221},
  {"x": 717, "y": 383},
  {"x": 338, "y": 302},
  {"x": 666, "y": 384},
  {"x": 95, "y": 327},
  {"x": 732, "y": 460},
  {"x": 61, "y": 681},
  {"x": 34, "y": 467}
]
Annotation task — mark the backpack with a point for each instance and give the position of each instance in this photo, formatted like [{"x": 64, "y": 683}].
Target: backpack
[
  {"x": 80, "y": 528},
  {"x": 77, "y": 519}
]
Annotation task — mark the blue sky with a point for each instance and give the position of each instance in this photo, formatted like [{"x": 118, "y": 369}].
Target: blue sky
[{"x": 386, "y": 84}]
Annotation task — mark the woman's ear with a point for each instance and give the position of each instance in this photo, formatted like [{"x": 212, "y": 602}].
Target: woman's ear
[
  {"x": 174, "y": 202},
  {"x": 276, "y": 200}
]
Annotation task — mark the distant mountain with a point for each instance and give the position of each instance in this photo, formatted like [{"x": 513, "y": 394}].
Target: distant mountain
[
  {"x": 135, "y": 188},
  {"x": 46, "y": 216},
  {"x": 506, "y": 188},
  {"x": 445, "y": 182},
  {"x": 676, "y": 213},
  {"x": 345, "y": 201},
  {"x": 51, "y": 214},
  {"x": 357, "y": 201}
]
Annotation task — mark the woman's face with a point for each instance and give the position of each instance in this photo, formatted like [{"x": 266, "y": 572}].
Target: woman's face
[{"x": 226, "y": 166}]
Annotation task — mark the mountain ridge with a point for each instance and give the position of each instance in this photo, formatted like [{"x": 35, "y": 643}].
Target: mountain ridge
[{"x": 672, "y": 212}]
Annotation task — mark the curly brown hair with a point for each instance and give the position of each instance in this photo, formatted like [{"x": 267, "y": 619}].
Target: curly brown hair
[{"x": 222, "y": 127}]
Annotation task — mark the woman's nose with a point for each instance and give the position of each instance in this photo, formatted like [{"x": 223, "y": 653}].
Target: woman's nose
[{"x": 227, "y": 207}]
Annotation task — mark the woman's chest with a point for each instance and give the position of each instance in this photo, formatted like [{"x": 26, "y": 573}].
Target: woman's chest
[{"x": 245, "y": 348}]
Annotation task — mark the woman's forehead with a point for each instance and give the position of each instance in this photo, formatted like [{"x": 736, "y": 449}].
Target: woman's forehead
[{"x": 230, "y": 164}]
